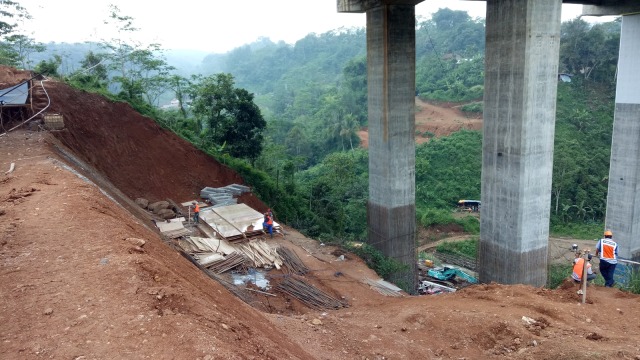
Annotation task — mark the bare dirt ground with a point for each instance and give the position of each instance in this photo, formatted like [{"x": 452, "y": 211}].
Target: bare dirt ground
[
  {"x": 73, "y": 286},
  {"x": 439, "y": 120}
]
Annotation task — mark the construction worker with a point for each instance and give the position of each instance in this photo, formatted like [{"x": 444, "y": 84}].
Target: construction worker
[
  {"x": 607, "y": 250},
  {"x": 268, "y": 224},
  {"x": 196, "y": 212},
  {"x": 578, "y": 267}
]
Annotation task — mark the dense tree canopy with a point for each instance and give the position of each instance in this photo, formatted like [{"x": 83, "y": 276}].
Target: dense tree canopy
[{"x": 227, "y": 115}]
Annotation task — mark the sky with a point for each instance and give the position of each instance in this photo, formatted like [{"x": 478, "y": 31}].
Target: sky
[{"x": 211, "y": 25}]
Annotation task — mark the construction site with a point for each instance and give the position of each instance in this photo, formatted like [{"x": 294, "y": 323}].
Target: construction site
[{"x": 100, "y": 258}]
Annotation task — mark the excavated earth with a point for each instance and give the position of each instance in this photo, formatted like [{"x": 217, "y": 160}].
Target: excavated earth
[{"x": 73, "y": 285}]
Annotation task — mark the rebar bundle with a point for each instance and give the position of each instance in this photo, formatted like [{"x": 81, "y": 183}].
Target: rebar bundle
[
  {"x": 309, "y": 294},
  {"x": 229, "y": 262},
  {"x": 292, "y": 262}
]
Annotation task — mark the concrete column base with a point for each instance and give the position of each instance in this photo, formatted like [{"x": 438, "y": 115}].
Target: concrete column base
[
  {"x": 393, "y": 232},
  {"x": 516, "y": 267}
]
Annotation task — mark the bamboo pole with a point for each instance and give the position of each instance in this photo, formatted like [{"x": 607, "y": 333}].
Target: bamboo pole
[{"x": 584, "y": 277}]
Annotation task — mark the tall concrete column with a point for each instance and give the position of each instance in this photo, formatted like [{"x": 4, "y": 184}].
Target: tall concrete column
[
  {"x": 623, "y": 199},
  {"x": 391, "y": 210},
  {"x": 521, "y": 70},
  {"x": 391, "y": 85}
]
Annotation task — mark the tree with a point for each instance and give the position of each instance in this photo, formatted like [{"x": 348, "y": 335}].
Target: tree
[
  {"x": 10, "y": 11},
  {"x": 142, "y": 73},
  {"x": 179, "y": 85},
  {"x": 228, "y": 115},
  {"x": 587, "y": 49},
  {"x": 15, "y": 48},
  {"x": 354, "y": 89},
  {"x": 93, "y": 75},
  {"x": 49, "y": 67},
  {"x": 24, "y": 46}
]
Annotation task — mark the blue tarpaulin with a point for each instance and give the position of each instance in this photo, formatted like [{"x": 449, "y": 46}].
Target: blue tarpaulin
[{"x": 15, "y": 95}]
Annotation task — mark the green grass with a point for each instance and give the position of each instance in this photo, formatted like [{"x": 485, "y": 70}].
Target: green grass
[
  {"x": 468, "y": 248},
  {"x": 430, "y": 217},
  {"x": 584, "y": 231},
  {"x": 633, "y": 281}
]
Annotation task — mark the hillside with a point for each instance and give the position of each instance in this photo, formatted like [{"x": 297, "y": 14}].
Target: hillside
[
  {"x": 73, "y": 286},
  {"x": 433, "y": 120}
]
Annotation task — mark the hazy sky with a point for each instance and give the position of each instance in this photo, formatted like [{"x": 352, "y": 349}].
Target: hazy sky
[{"x": 211, "y": 25}]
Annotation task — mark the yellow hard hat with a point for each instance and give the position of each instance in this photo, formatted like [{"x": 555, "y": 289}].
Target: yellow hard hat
[{"x": 608, "y": 233}]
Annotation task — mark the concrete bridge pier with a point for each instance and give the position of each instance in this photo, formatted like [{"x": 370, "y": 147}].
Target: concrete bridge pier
[
  {"x": 521, "y": 69},
  {"x": 623, "y": 199},
  {"x": 391, "y": 211}
]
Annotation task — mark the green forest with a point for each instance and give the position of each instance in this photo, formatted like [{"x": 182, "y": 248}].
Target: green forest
[{"x": 286, "y": 116}]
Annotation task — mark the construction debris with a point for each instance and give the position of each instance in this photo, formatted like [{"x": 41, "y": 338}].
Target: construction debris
[
  {"x": 261, "y": 254},
  {"x": 173, "y": 228},
  {"x": 309, "y": 294},
  {"x": 293, "y": 264},
  {"x": 384, "y": 287},
  {"x": 220, "y": 256},
  {"x": 428, "y": 287},
  {"x": 227, "y": 263},
  {"x": 11, "y": 168}
]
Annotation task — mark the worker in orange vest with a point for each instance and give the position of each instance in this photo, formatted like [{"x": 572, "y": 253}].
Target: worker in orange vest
[
  {"x": 578, "y": 267},
  {"x": 607, "y": 249},
  {"x": 196, "y": 212},
  {"x": 267, "y": 225}
]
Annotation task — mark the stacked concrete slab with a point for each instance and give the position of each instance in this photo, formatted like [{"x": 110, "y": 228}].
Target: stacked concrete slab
[{"x": 223, "y": 196}]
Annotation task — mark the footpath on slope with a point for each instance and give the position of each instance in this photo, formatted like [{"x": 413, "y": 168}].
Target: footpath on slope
[{"x": 73, "y": 287}]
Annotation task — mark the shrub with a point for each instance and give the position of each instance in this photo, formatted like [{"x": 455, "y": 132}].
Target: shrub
[
  {"x": 382, "y": 265},
  {"x": 557, "y": 274},
  {"x": 585, "y": 231},
  {"x": 472, "y": 108}
]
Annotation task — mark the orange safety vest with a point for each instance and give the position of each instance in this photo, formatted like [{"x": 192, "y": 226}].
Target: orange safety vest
[
  {"x": 608, "y": 251},
  {"x": 196, "y": 209},
  {"x": 269, "y": 220},
  {"x": 577, "y": 269}
]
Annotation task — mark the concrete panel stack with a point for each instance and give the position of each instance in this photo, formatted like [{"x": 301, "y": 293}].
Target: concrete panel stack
[{"x": 223, "y": 196}]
